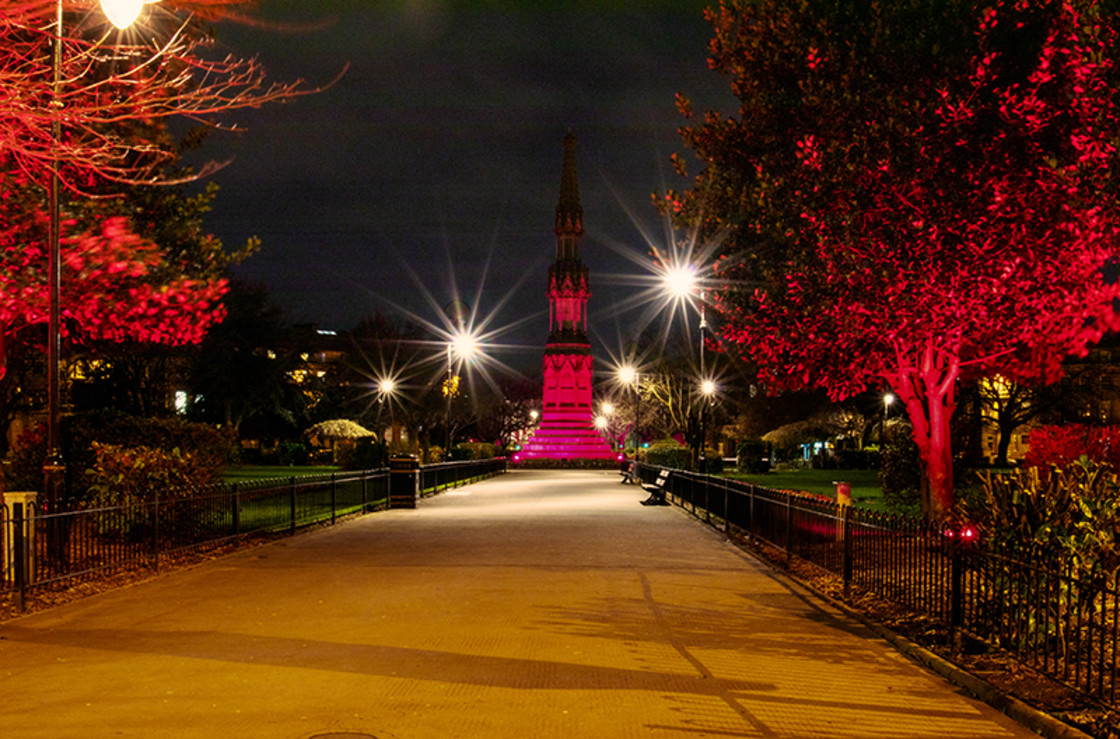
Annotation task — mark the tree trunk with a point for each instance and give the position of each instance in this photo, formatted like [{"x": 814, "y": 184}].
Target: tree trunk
[
  {"x": 926, "y": 387},
  {"x": 1005, "y": 434}
]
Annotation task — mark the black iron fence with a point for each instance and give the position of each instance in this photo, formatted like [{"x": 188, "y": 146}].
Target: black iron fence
[
  {"x": 437, "y": 477},
  {"x": 1052, "y": 615},
  {"x": 41, "y": 548}
]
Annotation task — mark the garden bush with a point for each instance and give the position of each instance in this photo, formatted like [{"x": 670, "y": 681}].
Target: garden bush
[
  {"x": 26, "y": 459},
  {"x": 210, "y": 449},
  {"x": 713, "y": 462},
  {"x": 669, "y": 453},
  {"x": 474, "y": 450},
  {"x": 289, "y": 454},
  {"x": 1073, "y": 510},
  {"x": 364, "y": 454},
  {"x": 1061, "y": 446},
  {"x": 754, "y": 456},
  {"x": 900, "y": 468},
  {"x": 129, "y": 475}
]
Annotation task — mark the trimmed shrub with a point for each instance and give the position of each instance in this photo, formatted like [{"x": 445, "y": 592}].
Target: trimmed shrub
[
  {"x": 289, "y": 453},
  {"x": 211, "y": 447},
  {"x": 128, "y": 475},
  {"x": 363, "y": 454},
  {"x": 1061, "y": 446},
  {"x": 857, "y": 459},
  {"x": 26, "y": 459},
  {"x": 669, "y": 453},
  {"x": 474, "y": 450},
  {"x": 713, "y": 462},
  {"x": 754, "y": 456}
]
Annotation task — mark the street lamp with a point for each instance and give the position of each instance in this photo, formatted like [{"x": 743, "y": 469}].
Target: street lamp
[
  {"x": 121, "y": 13},
  {"x": 386, "y": 390},
  {"x": 463, "y": 345},
  {"x": 707, "y": 391},
  {"x": 682, "y": 283},
  {"x": 629, "y": 376}
]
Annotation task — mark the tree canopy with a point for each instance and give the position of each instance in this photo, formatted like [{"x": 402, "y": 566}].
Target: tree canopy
[{"x": 912, "y": 192}]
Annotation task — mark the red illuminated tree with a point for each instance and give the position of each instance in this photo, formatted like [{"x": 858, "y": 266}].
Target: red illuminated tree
[
  {"x": 163, "y": 67},
  {"x": 118, "y": 285},
  {"x": 95, "y": 115},
  {"x": 912, "y": 193}
]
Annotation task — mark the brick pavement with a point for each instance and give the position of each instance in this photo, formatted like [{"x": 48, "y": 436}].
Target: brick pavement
[{"x": 535, "y": 604}]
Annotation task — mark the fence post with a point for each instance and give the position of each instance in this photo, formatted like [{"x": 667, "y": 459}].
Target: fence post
[
  {"x": 155, "y": 530},
  {"x": 19, "y": 559},
  {"x": 726, "y": 512},
  {"x": 365, "y": 497},
  {"x": 333, "y": 506},
  {"x": 789, "y": 528},
  {"x": 235, "y": 510},
  {"x": 846, "y": 557},
  {"x": 956, "y": 595},
  {"x": 750, "y": 511},
  {"x": 292, "y": 502}
]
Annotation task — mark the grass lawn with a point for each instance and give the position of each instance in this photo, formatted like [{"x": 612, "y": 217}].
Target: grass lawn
[
  {"x": 247, "y": 472},
  {"x": 865, "y": 483}
]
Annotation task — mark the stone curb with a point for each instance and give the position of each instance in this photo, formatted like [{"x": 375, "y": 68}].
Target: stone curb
[{"x": 1038, "y": 721}]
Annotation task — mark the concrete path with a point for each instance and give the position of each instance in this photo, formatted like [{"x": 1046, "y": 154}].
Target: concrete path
[{"x": 536, "y": 604}]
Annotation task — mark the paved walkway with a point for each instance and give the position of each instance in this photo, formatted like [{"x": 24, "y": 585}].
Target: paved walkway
[{"x": 535, "y": 604}]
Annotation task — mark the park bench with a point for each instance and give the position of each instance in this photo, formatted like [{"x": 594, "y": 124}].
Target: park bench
[{"x": 656, "y": 489}]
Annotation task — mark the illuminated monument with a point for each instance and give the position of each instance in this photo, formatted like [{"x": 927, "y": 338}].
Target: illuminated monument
[{"x": 567, "y": 430}]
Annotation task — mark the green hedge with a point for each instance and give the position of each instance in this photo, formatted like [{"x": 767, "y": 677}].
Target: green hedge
[
  {"x": 669, "y": 453},
  {"x": 210, "y": 449}
]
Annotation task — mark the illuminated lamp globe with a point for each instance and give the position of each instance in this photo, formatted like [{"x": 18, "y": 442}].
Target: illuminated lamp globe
[
  {"x": 122, "y": 13},
  {"x": 680, "y": 281}
]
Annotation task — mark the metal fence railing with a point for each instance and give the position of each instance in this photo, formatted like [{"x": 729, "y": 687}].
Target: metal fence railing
[
  {"x": 437, "y": 477},
  {"x": 41, "y": 548},
  {"x": 1047, "y": 613}
]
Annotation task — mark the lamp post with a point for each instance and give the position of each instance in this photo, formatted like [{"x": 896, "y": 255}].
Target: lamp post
[
  {"x": 386, "y": 389},
  {"x": 629, "y": 376},
  {"x": 463, "y": 345},
  {"x": 682, "y": 284},
  {"x": 121, "y": 13}
]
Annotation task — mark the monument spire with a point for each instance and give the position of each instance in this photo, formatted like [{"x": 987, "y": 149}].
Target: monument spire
[
  {"x": 567, "y": 430},
  {"x": 569, "y": 214}
]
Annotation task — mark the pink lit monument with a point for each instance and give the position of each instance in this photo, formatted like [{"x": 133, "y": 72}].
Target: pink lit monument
[{"x": 567, "y": 430}]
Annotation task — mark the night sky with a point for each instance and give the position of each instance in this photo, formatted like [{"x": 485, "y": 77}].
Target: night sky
[{"x": 431, "y": 170}]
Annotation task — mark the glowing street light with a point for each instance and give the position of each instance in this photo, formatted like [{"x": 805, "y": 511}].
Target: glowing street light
[
  {"x": 629, "y": 376},
  {"x": 122, "y": 13},
  {"x": 463, "y": 345},
  {"x": 680, "y": 281}
]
